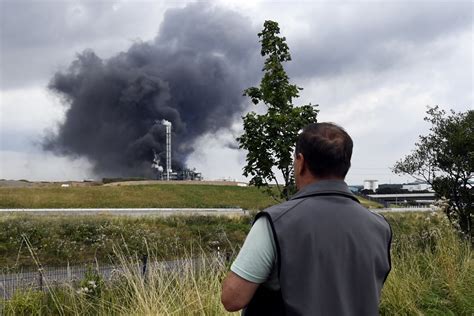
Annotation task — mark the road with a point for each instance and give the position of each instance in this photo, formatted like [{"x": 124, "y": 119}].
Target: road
[
  {"x": 166, "y": 211},
  {"x": 128, "y": 211}
]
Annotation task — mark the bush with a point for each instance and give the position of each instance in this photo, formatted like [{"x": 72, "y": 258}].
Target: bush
[{"x": 57, "y": 240}]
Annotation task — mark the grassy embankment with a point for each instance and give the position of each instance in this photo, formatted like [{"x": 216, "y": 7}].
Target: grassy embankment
[
  {"x": 432, "y": 273},
  {"x": 59, "y": 240},
  {"x": 139, "y": 196}
]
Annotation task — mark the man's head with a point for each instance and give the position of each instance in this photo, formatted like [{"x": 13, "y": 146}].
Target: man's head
[{"x": 323, "y": 151}]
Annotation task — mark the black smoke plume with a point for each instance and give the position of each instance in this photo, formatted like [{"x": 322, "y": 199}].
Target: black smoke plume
[{"x": 192, "y": 74}]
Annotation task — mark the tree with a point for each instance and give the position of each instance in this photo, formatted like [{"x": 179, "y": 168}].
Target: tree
[
  {"x": 270, "y": 138},
  {"x": 445, "y": 159}
]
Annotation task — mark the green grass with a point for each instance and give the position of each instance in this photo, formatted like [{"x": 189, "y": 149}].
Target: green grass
[
  {"x": 432, "y": 269},
  {"x": 61, "y": 239},
  {"x": 187, "y": 290},
  {"x": 139, "y": 196},
  {"x": 369, "y": 203},
  {"x": 432, "y": 274},
  {"x": 135, "y": 196}
]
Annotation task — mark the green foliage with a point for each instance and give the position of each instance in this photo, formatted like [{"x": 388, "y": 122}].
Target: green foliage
[
  {"x": 270, "y": 138},
  {"x": 26, "y": 303},
  {"x": 432, "y": 269},
  {"x": 432, "y": 274},
  {"x": 445, "y": 159},
  {"x": 185, "y": 290},
  {"x": 91, "y": 285},
  {"x": 57, "y": 240}
]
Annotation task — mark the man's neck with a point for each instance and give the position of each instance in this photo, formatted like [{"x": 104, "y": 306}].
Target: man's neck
[{"x": 312, "y": 179}]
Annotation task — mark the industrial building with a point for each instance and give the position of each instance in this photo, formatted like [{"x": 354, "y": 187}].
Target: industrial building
[
  {"x": 371, "y": 185},
  {"x": 167, "y": 173}
]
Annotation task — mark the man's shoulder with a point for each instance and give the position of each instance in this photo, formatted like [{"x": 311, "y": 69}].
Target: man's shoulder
[
  {"x": 276, "y": 211},
  {"x": 381, "y": 220}
]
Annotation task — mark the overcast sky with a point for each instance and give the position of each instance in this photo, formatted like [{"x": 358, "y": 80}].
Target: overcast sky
[{"x": 373, "y": 67}]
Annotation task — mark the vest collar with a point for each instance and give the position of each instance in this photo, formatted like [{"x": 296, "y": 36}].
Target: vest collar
[{"x": 324, "y": 187}]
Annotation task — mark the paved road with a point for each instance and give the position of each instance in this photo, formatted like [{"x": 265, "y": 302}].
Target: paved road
[
  {"x": 167, "y": 211},
  {"x": 128, "y": 211}
]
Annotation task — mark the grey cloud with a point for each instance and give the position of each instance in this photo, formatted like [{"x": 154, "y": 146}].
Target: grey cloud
[
  {"x": 29, "y": 24},
  {"x": 33, "y": 34},
  {"x": 354, "y": 37},
  {"x": 39, "y": 36}
]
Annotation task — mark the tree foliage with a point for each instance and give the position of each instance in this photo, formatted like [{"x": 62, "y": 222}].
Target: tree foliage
[
  {"x": 445, "y": 159},
  {"x": 270, "y": 138}
]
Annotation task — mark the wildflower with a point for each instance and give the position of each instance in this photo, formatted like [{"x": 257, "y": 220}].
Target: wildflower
[{"x": 82, "y": 290}]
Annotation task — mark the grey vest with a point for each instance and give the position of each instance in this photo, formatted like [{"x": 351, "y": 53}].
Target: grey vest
[{"x": 333, "y": 255}]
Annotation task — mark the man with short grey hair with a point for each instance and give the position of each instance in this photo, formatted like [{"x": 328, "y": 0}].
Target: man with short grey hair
[{"x": 321, "y": 252}]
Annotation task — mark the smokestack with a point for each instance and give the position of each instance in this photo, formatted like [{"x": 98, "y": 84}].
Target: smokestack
[{"x": 168, "y": 124}]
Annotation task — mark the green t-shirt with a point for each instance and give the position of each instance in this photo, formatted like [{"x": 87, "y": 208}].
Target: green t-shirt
[{"x": 257, "y": 259}]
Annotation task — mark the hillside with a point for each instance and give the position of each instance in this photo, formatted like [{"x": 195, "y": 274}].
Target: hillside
[{"x": 139, "y": 196}]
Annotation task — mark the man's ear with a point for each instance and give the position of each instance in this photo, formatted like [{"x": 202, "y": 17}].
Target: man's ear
[{"x": 300, "y": 166}]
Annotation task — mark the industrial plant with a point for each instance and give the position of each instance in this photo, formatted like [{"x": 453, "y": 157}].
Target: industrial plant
[{"x": 167, "y": 172}]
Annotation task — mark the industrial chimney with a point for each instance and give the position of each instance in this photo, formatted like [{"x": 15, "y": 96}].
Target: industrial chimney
[{"x": 168, "y": 124}]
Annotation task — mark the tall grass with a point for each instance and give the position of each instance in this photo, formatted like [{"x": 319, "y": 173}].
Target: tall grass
[
  {"x": 191, "y": 287},
  {"x": 432, "y": 274},
  {"x": 432, "y": 270}
]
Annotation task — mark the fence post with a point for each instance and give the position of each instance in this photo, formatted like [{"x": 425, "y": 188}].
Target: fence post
[
  {"x": 144, "y": 265},
  {"x": 40, "y": 278},
  {"x": 68, "y": 272}
]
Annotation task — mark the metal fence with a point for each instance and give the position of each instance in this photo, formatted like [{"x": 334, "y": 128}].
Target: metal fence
[
  {"x": 50, "y": 277},
  {"x": 40, "y": 279}
]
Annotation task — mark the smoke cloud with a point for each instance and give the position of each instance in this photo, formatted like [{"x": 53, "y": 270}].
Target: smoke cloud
[{"x": 192, "y": 74}]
